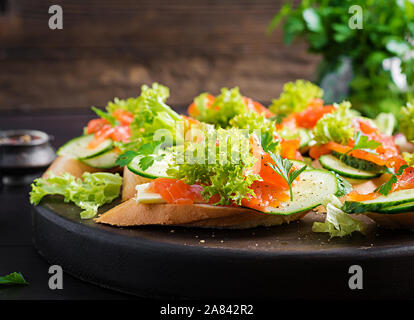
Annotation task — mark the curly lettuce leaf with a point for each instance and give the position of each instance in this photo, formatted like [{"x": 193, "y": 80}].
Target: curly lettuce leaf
[
  {"x": 337, "y": 222},
  {"x": 89, "y": 193},
  {"x": 409, "y": 158},
  {"x": 222, "y": 163},
  {"x": 295, "y": 97},
  {"x": 406, "y": 121},
  {"x": 261, "y": 126},
  {"x": 151, "y": 114},
  {"x": 226, "y": 106},
  {"x": 129, "y": 104},
  {"x": 336, "y": 126}
]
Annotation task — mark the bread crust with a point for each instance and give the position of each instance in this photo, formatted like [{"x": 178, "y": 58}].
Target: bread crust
[
  {"x": 130, "y": 213},
  {"x": 74, "y": 167},
  {"x": 130, "y": 181}
]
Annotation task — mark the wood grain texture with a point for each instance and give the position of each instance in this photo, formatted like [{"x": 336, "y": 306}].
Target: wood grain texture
[{"x": 109, "y": 48}]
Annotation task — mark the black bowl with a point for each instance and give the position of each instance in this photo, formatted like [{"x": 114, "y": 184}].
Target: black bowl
[{"x": 24, "y": 154}]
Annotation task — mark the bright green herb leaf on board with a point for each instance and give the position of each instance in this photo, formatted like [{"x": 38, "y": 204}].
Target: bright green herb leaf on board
[{"x": 13, "y": 278}]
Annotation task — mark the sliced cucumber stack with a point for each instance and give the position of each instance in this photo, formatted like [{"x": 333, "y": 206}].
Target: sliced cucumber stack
[
  {"x": 106, "y": 160},
  {"x": 313, "y": 187},
  {"x": 332, "y": 163},
  {"x": 400, "y": 199},
  {"x": 78, "y": 147},
  {"x": 157, "y": 170},
  {"x": 103, "y": 156},
  {"x": 400, "y": 208}
]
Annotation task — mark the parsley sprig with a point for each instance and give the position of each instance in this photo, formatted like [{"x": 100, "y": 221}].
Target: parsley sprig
[
  {"x": 268, "y": 144},
  {"x": 283, "y": 168},
  {"x": 362, "y": 143},
  {"x": 149, "y": 154},
  {"x": 13, "y": 278},
  {"x": 386, "y": 187}
]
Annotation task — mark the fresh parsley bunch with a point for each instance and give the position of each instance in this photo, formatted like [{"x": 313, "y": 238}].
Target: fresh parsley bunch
[{"x": 387, "y": 32}]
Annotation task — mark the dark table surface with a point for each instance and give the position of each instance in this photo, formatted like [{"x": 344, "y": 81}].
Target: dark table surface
[{"x": 17, "y": 252}]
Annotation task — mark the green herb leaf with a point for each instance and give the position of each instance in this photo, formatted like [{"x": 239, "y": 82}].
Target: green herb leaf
[
  {"x": 362, "y": 143},
  {"x": 125, "y": 158},
  {"x": 148, "y": 149},
  {"x": 267, "y": 142},
  {"x": 283, "y": 167},
  {"x": 386, "y": 187},
  {"x": 148, "y": 161},
  {"x": 13, "y": 278}
]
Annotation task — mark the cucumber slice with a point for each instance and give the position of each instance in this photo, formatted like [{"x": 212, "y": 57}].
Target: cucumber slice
[
  {"x": 299, "y": 164},
  {"x": 330, "y": 162},
  {"x": 312, "y": 188},
  {"x": 78, "y": 148},
  {"x": 360, "y": 164},
  {"x": 405, "y": 207},
  {"x": 104, "y": 160},
  {"x": 376, "y": 205},
  {"x": 157, "y": 170}
]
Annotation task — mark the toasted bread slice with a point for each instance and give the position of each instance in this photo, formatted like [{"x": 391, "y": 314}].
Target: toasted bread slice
[
  {"x": 74, "y": 167},
  {"x": 130, "y": 213},
  {"x": 392, "y": 221},
  {"x": 129, "y": 183},
  {"x": 246, "y": 220}
]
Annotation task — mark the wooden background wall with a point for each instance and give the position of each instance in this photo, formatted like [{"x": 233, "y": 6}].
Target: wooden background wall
[{"x": 110, "y": 48}]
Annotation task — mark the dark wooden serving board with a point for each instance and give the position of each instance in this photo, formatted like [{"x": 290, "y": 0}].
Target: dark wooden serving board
[{"x": 287, "y": 262}]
